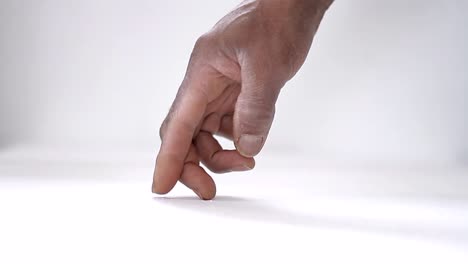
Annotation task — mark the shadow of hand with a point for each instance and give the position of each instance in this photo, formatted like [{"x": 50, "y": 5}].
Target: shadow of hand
[{"x": 264, "y": 211}]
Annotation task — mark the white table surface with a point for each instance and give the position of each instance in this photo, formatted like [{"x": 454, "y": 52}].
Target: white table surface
[{"x": 76, "y": 206}]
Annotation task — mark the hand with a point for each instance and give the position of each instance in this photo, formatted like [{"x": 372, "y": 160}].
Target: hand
[{"x": 234, "y": 77}]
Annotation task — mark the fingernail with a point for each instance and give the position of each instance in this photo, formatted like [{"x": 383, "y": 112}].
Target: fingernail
[
  {"x": 199, "y": 194},
  {"x": 242, "y": 168},
  {"x": 249, "y": 145}
]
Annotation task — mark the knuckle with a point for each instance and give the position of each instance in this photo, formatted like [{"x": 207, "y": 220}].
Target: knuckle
[
  {"x": 281, "y": 58},
  {"x": 162, "y": 129},
  {"x": 202, "y": 42},
  {"x": 256, "y": 115},
  {"x": 289, "y": 59}
]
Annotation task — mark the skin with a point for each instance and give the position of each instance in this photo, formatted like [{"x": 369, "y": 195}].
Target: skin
[{"x": 233, "y": 80}]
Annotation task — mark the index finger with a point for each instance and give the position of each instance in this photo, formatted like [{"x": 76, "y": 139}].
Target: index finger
[{"x": 184, "y": 117}]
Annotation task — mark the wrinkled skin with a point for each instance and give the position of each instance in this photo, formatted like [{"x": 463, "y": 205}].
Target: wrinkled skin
[{"x": 233, "y": 79}]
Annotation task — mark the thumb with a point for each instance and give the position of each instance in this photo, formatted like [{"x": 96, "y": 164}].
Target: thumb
[{"x": 254, "y": 112}]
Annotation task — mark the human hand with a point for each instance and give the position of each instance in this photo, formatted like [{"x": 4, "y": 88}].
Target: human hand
[{"x": 233, "y": 79}]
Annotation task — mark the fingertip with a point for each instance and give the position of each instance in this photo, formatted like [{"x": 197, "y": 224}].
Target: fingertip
[
  {"x": 251, "y": 165},
  {"x": 206, "y": 195},
  {"x": 196, "y": 179},
  {"x": 249, "y": 145},
  {"x": 166, "y": 174},
  {"x": 206, "y": 190},
  {"x": 247, "y": 165},
  {"x": 156, "y": 189},
  {"x": 156, "y": 186}
]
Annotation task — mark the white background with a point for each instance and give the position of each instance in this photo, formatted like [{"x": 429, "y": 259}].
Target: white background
[
  {"x": 366, "y": 161},
  {"x": 384, "y": 79}
]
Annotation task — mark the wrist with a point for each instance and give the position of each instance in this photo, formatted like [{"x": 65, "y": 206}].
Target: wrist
[
  {"x": 300, "y": 15},
  {"x": 312, "y": 4},
  {"x": 299, "y": 6},
  {"x": 302, "y": 11}
]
